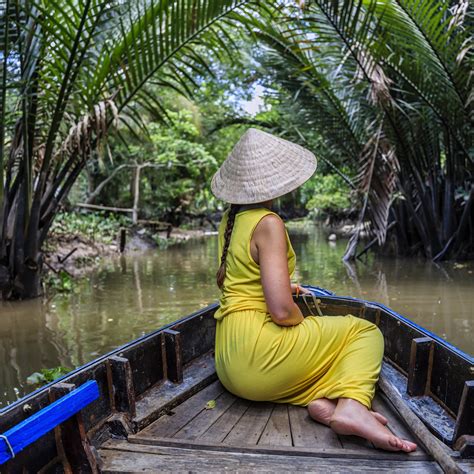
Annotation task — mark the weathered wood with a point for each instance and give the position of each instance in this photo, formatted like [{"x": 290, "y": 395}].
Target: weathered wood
[
  {"x": 169, "y": 424},
  {"x": 125, "y": 457},
  {"x": 198, "y": 425},
  {"x": 38, "y": 424},
  {"x": 309, "y": 434},
  {"x": 197, "y": 336},
  {"x": 436, "y": 448},
  {"x": 72, "y": 442},
  {"x": 450, "y": 371},
  {"x": 164, "y": 397},
  {"x": 122, "y": 239},
  {"x": 97, "y": 411},
  {"x": 277, "y": 432},
  {"x": 465, "y": 446},
  {"x": 199, "y": 444},
  {"x": 43, "y": 451},
  {"x": 174, "y": 355},
  {"x": 465, "y": 419},
  {"x": 96, "y": 207},
  {"x": 430, "y": 412},
  {"x": 146, "y": 362},
  {"x": 250, "y": 427},
  {"x": 122, "y": 382},
  {"x": 217, "y": 432},
  {"x": 421, "y": 363}
]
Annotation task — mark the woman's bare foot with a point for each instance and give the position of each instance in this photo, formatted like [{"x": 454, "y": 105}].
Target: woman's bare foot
[
  {"x": 352, "y": 418},
  {"x": 322, "y": 409}
]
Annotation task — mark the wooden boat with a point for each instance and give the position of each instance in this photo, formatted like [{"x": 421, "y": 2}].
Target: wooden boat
[{"x": 157, "y": 406}]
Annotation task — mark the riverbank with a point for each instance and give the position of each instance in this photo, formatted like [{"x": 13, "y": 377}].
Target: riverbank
[{"x": 78, "y": 242}]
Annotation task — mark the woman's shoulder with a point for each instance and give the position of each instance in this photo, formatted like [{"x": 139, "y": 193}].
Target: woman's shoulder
[{"x": 270, "y": 222}]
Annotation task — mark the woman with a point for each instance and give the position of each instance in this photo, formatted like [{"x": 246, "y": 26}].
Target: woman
[{"x": 265, "y": 349}]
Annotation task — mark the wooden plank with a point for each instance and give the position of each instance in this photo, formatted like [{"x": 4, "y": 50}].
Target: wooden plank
[
  {"x": 250, "y": 427},
  {"x": 465, "y": 446},
  {"x": 146, "y": 361},
  {"x": 277, "y": 432},
  {"x": 198, "y": 425},
  {"x": 169, "y": 425},
  {"x": 45, "y": 420},
  {"x": 419, "y": 368},
  {"x": 308, "y": 433},
  {"x": 450, "y": 371},
  {"x": 430, "y": 412},
  {"x": 465, "y": 419},
  {"x": 122, "y": 381},
  {"x": 174, "y": 355},
  {"x": 198, "y": 444},
  {"x": 197, "y": 336},
  {"x": 71, "y": 439},
  {"x": 125, "y": 457},
  {"x": 221, "y": 428},
  {"x": 162, "y": 398}
]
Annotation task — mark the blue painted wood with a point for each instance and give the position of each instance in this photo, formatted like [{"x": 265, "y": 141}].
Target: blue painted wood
[{"x": 47, "y": 419}]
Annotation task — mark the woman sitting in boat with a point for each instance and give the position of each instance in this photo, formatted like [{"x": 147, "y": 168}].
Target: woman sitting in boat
[{"x": 265, "y": 349}]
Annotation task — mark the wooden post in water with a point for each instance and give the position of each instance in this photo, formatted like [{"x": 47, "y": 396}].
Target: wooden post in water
[{"x": 122, "y": 239}]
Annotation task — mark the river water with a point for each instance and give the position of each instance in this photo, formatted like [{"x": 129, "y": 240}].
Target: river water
[{"x": 133, "y": 295}]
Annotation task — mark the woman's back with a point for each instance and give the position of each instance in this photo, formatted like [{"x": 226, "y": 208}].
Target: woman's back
[{"x": 242, "y": 286}]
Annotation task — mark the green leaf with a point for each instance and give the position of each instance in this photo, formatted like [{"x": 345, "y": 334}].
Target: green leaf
[
  {"x": 210, "y": 405},
  {"x": 36, "y": 378}
]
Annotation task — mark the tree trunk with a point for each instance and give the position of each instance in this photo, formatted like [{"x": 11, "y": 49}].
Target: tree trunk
[{"x": 136, "y": 194}]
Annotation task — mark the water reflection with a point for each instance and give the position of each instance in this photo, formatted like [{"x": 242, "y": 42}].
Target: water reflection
[
  {"x": 437, "y": 296},
  {"x": 130, "y": 296}
]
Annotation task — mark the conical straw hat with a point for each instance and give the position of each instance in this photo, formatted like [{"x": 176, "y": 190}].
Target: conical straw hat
[{"x": 260, "y": 167}]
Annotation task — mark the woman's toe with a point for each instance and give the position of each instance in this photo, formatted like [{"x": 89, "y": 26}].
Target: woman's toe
[
  {"x": 409, "y": 446},
  {"x": 395, "y": 442}
]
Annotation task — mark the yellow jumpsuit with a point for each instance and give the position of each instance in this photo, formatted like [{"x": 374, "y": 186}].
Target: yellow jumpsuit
[{"x": 329, "y": 356}]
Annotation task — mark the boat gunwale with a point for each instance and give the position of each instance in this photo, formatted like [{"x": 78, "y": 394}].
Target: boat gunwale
[
  {"x": 103, "y": 358},
  {"x": 187, "y": 327},
  {"x": 407, "y": 321}
]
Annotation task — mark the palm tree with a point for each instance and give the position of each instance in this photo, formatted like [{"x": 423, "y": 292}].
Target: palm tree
[
  {"x": 70, "y": 72},
  {"x": 388, "y": 84}
]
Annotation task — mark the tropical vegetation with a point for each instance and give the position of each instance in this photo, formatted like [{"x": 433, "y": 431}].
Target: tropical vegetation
[{"x": 121, "y": 103}]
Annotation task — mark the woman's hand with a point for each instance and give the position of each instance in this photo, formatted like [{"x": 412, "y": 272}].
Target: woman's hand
[
  {"x": 301, "y": 291},
  {"x": 269, "y": 237}
]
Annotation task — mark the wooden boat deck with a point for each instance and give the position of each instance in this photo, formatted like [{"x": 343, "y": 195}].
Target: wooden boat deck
[
  {"x": 240, "y": 435},
  {"x": 151, "y": 416}
]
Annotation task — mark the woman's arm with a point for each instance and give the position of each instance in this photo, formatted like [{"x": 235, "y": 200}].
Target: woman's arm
[{"x": 269, "y": 237}]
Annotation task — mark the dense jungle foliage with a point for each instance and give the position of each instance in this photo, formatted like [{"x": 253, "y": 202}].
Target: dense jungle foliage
[{"x": 133, "y": 104}]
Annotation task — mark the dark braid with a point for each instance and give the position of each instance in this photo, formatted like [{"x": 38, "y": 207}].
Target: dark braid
[{"x": 220, "y": 275}]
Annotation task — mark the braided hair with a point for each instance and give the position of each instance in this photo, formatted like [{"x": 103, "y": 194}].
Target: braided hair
[{"x": 220, "y": 275}]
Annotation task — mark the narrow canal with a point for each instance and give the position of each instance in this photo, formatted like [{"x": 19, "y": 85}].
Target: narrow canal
[{"x": 130, "y": 296}]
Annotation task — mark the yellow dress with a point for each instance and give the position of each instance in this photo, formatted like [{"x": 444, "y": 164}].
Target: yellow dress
[{"x": 329, "y": 356}]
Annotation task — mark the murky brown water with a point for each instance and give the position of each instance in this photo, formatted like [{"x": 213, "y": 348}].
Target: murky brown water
[{"x": 130, "y": 296}]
